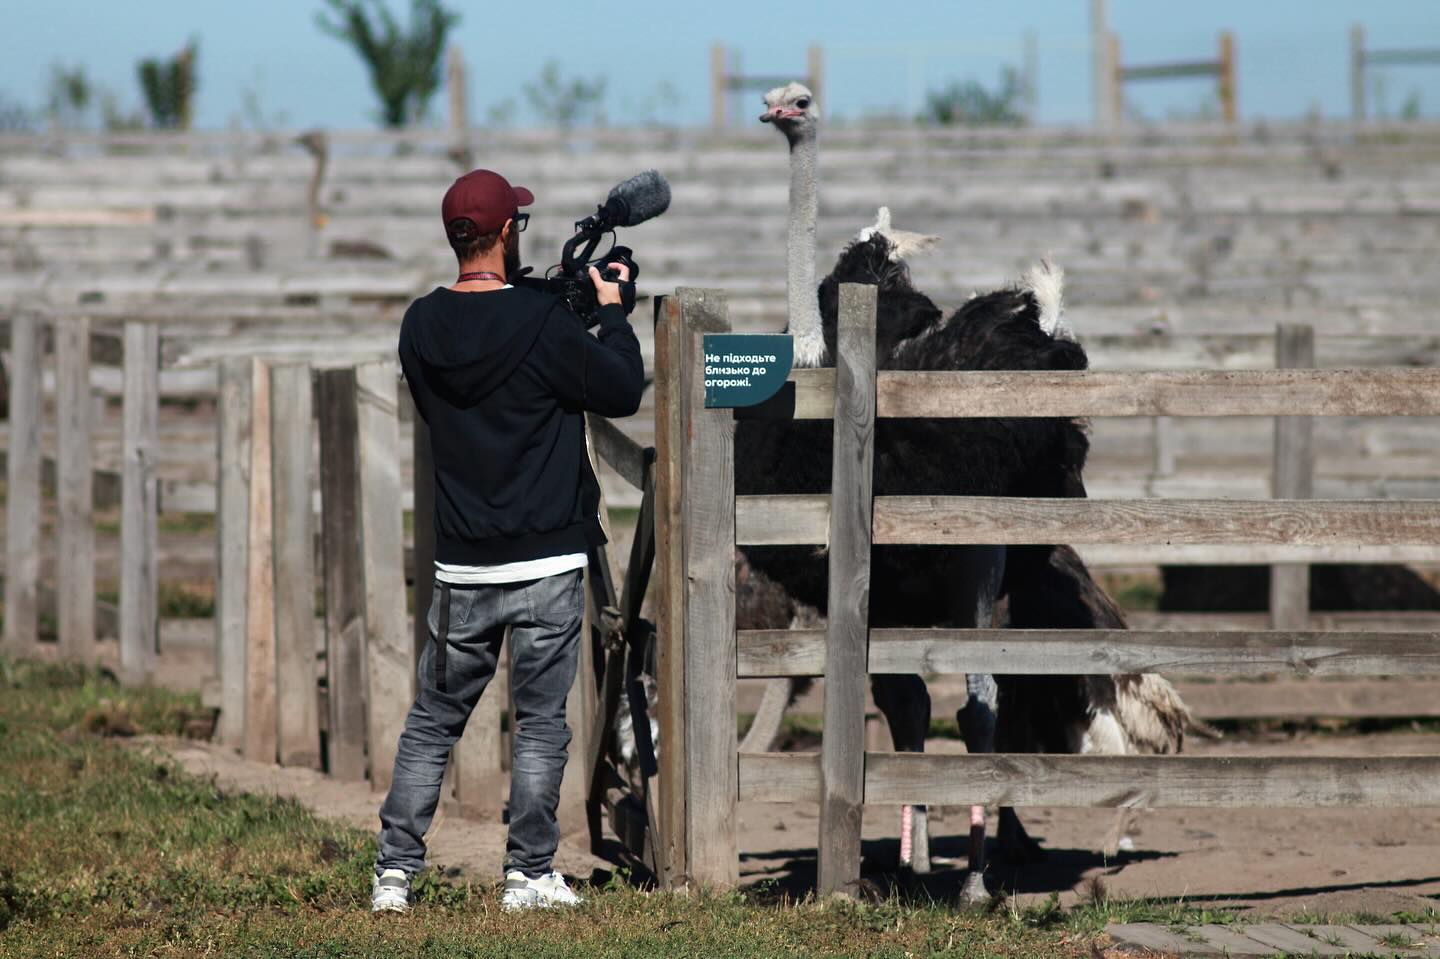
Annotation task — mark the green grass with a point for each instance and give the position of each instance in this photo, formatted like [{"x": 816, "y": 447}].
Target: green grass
[{"x": 112, "y": 850}]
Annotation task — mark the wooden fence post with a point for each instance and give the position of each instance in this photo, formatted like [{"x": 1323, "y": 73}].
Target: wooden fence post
[
  {"x": 1166, "y": 446},
  {"x": 455, "y": 86},
  {"x": 1229, "y": 97},
  {"x": 1115, "y": 88},
  {"x": 344, "y": 577},
  {"x": 22, "y": 496},
  {"x": 75, "y": 580},
  {"x": 842, "y": 755},
  {"x": 297, "y": 690},
  {"x": 719, "y": 87},
  {"x": 260, "y": 719},
  {"x": 1294, "y": 479},
  {"x": 139, "y": 585},
  {"x": 1357, "y": 72},
  {"x": 389, "y": 644},
  {"x": 670, "y": 599},
  {"x": 707, "y": 464},
  {"x": 233, "y": 521}
]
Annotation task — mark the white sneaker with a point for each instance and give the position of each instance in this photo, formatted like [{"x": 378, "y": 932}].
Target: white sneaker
[
  {"x": 391, "y": 892},
  {"x": 546, "y": 892}
]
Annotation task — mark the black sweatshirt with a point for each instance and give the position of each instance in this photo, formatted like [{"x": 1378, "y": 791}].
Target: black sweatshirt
[{"x": 503, "y": 379}]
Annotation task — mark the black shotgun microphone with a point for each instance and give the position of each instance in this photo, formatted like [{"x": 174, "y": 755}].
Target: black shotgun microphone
[{"x": 642, "y": 197}]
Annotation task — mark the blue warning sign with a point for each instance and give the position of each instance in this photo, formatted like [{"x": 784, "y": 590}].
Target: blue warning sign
[{"x": 743, "y": 369}]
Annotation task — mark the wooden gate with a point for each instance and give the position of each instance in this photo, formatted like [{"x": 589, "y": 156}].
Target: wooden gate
[{"x": 700, "y": 521}]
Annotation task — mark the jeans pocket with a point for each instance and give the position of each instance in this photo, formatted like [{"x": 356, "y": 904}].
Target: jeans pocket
[
  {"x": 556, "y": 601},
  {"x": 462, "y": 603}
]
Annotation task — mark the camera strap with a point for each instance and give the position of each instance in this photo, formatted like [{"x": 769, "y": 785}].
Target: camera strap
[
  {"x": 442, "y": 636},
  {"x": 482, "y": 275}
]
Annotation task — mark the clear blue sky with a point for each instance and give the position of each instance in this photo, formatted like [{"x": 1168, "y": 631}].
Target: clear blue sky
[{"x": 655, "y": 53}]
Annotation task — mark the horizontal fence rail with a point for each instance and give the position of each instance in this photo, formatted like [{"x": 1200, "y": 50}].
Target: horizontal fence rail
[
  {"x": 802, "y": 519},
  {"x": 946, "y": 394},
  {"x": 1106, "y": 781},
  {"x": 801, "y": 652}
]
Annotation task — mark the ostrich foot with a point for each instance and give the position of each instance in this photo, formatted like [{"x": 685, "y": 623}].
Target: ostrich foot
[
  {"x": 1015, "y": 843},
  {"x": 973, "y": 893},
  {"x": 1117, "y": 839},
  {"x": 915, "y": 839}
]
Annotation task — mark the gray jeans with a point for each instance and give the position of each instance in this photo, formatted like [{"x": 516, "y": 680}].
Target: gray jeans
[{"x": 544, "y": 618}]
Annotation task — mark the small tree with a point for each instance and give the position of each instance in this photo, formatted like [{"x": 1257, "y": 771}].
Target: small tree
[
  {"x": 565, "y": 102},
  {"x": 14, "y": 117},
  {"x": 972, "y": 104},
  {"x": 168, "y": 86},
  {"x": 404, "y": 64},
  {"x": 69, "y": 95}
]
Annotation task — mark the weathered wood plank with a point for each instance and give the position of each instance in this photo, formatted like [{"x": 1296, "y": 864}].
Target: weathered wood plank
[
  {"x": 344, "y": 575},
  {"x": 670, "y": 603},
  {"x": 389, "y": 648},
  {"x": 1155, "y": 938},
  {"x": 778, "y": 777},
  {"x": 1373, "y": 621},
  {"x": 707, "y": 463},
  {"x": 1347, "y": 392},
  {"x": 1173, "y": 781},
  {"x": 1310, "y": 699},
  {"x": 1342, "y": 527},
  {"x": 297, "y": 701},
  {"x": 22, "y": 490},
  {"x": 1247, "y": 555},
  {"x": 139, "y": 566},
  {"x": 622, "y": 454},
  {"x": 260, "y": 684},
  {"x": 982, "y": 520},
  {"x": 842, "y": 757},
  {"x": 1294, "y": 479},
  {"x": 799, "y": 652},
  {"x": 1107, "y": 781},
  {"x": 232, "y": 545},
  {"x": 782, "y": 519},
  {"x": 75, "y": 574},
  {"x": 1293, "y": 942}
]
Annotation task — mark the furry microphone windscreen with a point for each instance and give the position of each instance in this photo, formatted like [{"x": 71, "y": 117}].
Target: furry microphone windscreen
[{"x": 642, "y": 197}]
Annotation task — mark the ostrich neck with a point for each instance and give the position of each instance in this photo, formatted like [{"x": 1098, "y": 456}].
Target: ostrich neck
[{"x": 804, "y": 300}]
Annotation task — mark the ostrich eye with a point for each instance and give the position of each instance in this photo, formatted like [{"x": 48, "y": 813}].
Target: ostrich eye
[{"x": 803, "y": 103}]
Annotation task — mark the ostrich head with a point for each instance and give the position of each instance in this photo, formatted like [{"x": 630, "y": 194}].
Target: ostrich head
[{"x": 793, "y": 110}]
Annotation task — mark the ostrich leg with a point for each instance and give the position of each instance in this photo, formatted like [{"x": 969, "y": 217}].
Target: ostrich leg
[
  {"x": 986, "y": 569},
  {"x": 977, "y": 727},
  {"x": 906, "y": 704}
]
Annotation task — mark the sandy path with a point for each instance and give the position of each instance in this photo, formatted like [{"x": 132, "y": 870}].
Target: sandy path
[
  {"x": 476, "y": 847},
  {"x": 1274, "y": 861},
  {"x": 1271, "y": 860}
]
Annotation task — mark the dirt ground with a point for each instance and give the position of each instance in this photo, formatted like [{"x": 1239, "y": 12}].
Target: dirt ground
[{"x": 1270, "y": 861}]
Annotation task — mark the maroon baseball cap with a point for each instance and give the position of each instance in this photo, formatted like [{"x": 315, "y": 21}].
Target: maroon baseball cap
[{"x": 484, "y": 197}]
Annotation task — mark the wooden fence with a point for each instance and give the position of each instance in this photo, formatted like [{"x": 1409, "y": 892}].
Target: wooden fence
[
  {"x": 317, "y": 685},
  {"x": 701, "y": 521}
]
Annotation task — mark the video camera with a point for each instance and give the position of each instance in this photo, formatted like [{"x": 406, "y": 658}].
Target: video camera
[{"x": 630, "y": 203}]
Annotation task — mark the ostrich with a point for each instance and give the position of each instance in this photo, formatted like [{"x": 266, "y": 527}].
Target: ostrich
[{"x": 1014, "y": 328}]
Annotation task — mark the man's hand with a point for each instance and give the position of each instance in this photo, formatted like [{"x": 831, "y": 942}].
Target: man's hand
[{"x": 609, "y": 293}]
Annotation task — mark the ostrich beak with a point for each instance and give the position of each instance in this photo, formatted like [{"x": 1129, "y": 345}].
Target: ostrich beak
[{"x": 770, "y": 116}]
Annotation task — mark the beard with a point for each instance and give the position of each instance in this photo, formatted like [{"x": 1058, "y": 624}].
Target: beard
[{"x": 512, "y": 256}]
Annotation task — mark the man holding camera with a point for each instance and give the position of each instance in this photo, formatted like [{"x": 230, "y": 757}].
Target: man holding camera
[{"x": 502, "y": 375}]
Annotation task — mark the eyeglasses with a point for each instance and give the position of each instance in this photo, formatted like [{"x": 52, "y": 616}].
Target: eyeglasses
[{"x": 520, "y": 219}]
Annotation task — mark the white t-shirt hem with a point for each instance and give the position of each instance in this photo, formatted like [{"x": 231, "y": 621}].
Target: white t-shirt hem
[{"x": 516, "y": 572}]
